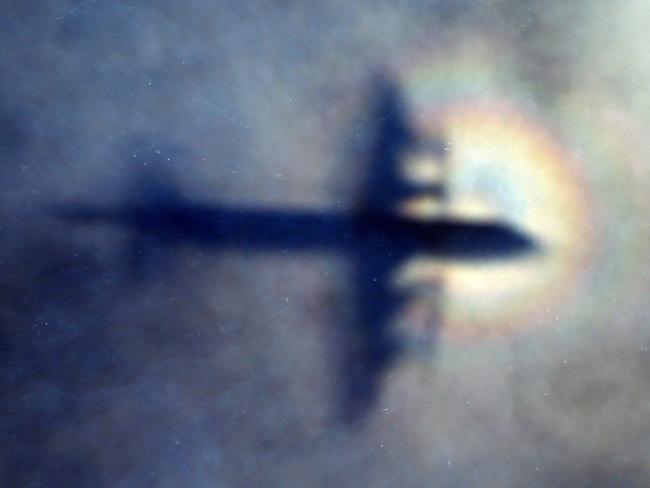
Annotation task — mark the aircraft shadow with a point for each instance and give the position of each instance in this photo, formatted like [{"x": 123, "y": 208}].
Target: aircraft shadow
[{"x": 375, "y": 240}]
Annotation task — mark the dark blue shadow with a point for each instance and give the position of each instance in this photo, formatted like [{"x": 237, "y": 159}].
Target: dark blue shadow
[{"x": 372, "y": 236}]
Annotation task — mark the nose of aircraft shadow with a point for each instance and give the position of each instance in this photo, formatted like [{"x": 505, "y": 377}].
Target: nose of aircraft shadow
[
  {"x": 500, "y": 241},
  {"x": 482, "y": 241}
]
